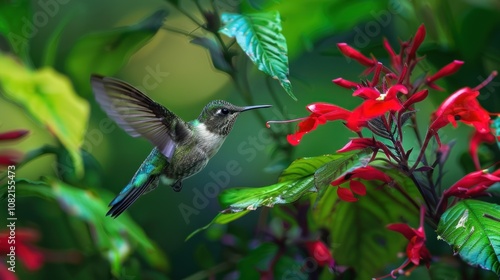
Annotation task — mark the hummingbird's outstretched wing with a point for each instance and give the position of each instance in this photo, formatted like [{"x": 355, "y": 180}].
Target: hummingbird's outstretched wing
[{"x": 138, "y": 114}]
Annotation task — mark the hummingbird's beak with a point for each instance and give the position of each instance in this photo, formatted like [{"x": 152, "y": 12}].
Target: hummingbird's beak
[{"x": 254, "y": 107}]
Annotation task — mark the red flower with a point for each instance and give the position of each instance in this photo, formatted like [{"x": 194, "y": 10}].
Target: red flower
[
  {"x": 355, "y": 186},
  {"x": 416, "y": 250},
  {"x": 320, "y": 252},
  {"x": 376, "y": 104},
  {"x": 461, "y": 106},
  {"x": 320, "y": 113},
  {"x": 10, "y": 157},
  {"x": 24, "y": 249}
]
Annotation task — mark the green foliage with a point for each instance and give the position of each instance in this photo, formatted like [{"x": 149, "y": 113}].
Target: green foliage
[
  {"x": 300, "y": 178},
  {"x": 106, "y": 52},
  {"x": 296, "y": 181},
  {"x": 115, "y": 239},
  {"x": 471, "y": 227},
  {"x": 480, "y": 36},
  {"x": 360, "y": 228},
  {"x": 49, "y": 98},
  {"x": 259, "y": 35},
  {"x": 323, "y": 17},
  {"x": 14, "y": 16}
]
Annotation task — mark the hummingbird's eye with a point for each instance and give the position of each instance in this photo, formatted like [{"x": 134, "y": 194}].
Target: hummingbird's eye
[{"x": 224, "y": 111}]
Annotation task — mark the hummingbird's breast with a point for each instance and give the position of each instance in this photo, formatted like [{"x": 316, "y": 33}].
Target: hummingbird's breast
[
  {"x": 207, "y": 140},
  {"x": 192, "y": 156}
]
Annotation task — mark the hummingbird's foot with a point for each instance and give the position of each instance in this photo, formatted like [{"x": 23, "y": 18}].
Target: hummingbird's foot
[{"x": 177, "y": 186}]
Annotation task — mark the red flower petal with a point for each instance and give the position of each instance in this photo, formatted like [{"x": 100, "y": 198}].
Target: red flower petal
[
  {"x": 370, "y": 173},
  {"x": 350, "y": 52},
  {"x": 12, "y": 135},
  {"x": 417, "y": 41},
  {"x": 345, "y": 83},
  {"x": 357, "y": 187},
  {"x": 10, "y": 158},
  {"x": 320, "y": 252},
  {"x": 463, "y": 106},
  {"x": 392, "y": 92},
  {"x": 447, "y": 70},
  {"x": 477, "y": 178},
  {"x": 395, "y": 59},
  {"x": 358, "y": 144},
  {"x": 366, "y": 93},
  {"x": 404, "y": 229},
  {"x": 346, "y": 195},
  {"x": 5, "y": 274},
  {"x": 416, "y": 97}
]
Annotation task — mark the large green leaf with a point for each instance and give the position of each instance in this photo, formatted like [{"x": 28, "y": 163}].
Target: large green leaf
[
  {"x": 106, "y": 52},
  {"x": 472, "y": 228},
  {"x": 259, "y": 35},
  {"x": 295, "y": 181},
  {"x": 360, "y": 238},
  {"x": 50, "y": 98},
  {"x": 114, "y": 238}
]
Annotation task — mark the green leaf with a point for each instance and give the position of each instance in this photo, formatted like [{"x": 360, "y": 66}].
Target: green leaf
[
  {"x": 259, "y": 35},
  {"x": 301, "y": 177},
  {"x": 360, "y": 228},
  {"x": 472, "y": 228},
  {"x": 114, "y": 238},
  {"x": 220, "y": 219},
  {"x": 50, "y": 99},
  {"x": 106, "y": 52}
]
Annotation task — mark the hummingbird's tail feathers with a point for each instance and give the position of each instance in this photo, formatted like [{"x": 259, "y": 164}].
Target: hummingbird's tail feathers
[{"x": 130, "y": 194}]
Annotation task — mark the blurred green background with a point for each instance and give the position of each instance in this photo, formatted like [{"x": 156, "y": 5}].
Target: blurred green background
[{"x": 186, "y": 80}]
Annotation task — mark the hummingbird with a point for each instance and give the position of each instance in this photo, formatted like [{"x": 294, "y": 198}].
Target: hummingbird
[{"x": 181, "y": 149}]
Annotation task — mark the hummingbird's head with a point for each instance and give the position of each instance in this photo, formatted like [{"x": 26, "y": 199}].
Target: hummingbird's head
[{"x": 219, "y": 116}]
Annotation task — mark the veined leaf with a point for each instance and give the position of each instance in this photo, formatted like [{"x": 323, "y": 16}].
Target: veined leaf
[
  {"x": 114, "y": 238},
  {"x": 106, "y": 52},
  {"x": 50, "y": 98},
  {"x": 472, "y": 228},
  {"x": 295, "y": 181},
  {"x": 259, "y": 35},
  {"x": 359, "y": 228}
]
